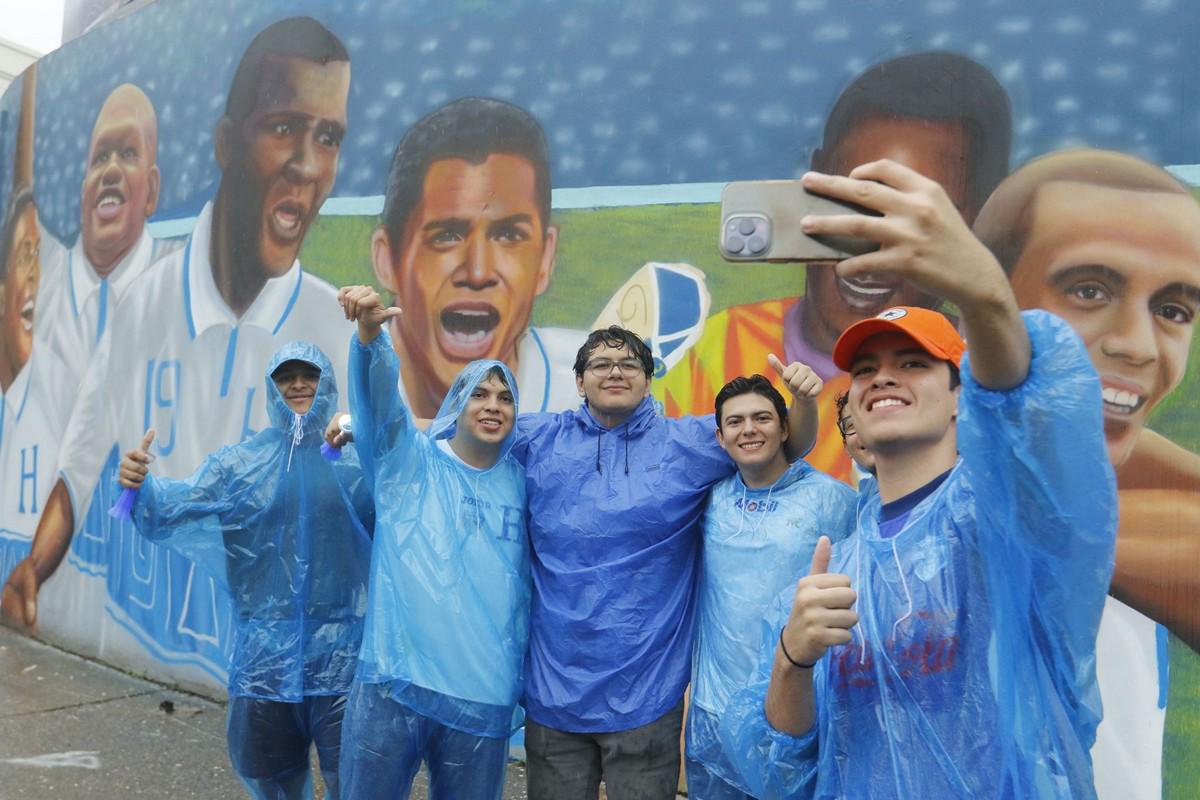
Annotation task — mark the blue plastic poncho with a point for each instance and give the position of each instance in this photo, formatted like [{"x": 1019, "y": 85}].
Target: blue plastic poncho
[
  {"x": 615, "y": 522},
  {"x": 448, "y": 612},
  {"x": 286, "y": 532},
  {"x": 757, "y": 542},
  {"x": 972, "y": 669}
]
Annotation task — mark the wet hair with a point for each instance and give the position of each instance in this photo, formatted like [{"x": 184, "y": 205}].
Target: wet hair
[
  {"x": 842, "y": 401},
  {"x": 497, "y": 373},
  {"x": 470, "y": 129},
  {"x": 294, "y": 37},
  {"x": 614, "y": 336},
  {"x": 1006, "y": 220},
  {"x": 755, "y": 384},
  {"x": 935, "y": 87},
  {"x": 20, "y": 200}
]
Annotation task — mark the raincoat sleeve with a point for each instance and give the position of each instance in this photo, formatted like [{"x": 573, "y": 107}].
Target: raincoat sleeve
[
  {"x": 353, "y": 483},
  {"x": 1037, "y": 457},
  {"x": 189, "y": 516},
  {"x": 769, "y": 763},
  {"x": 381, "y": 420},
  {"x": 531, "y": 428},
  {"x": 707, "y": 461}
]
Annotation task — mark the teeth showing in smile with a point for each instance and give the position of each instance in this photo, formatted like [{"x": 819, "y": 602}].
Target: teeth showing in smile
[
  {"x": 27, "y": 315},
  {"x": 871, "y": 290},
  {"x": 752, "y": 445},
  {"x": 1122, "y": 402},
  {"x": 109, "y": 200},
  {"x": 287, "y": 218},
  {"x": 886, "y": 402}
]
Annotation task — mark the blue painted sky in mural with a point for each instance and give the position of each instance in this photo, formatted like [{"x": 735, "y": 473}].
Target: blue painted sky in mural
[{"x": 631, "y": 93}]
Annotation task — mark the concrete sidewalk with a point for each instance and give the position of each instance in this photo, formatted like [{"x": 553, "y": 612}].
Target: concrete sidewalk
[{"x": 72, "y": 728}]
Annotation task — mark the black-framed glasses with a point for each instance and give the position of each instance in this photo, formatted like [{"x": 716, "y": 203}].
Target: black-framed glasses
[
  {"x": 846, "y": 426},
  {"x": 603, "y": 367}
]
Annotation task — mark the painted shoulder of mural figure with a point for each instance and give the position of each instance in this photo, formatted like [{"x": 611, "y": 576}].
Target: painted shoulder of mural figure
[{"x": 1111, "y": 244}]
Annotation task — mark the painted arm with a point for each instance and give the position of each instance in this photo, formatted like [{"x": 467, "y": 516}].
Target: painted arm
[{"x": 18, "y": 603}]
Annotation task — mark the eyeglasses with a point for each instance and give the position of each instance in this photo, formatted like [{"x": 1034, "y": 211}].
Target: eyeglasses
[
  {"x": 846, "y": 426},
  {"x": 603, "y": 367}
]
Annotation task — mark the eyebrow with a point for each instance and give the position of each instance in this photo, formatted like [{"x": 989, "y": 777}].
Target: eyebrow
[
  {"x": 449, "y": 224},
  {"x": 1062, "y": 280},
  {"x": 515, "y": 219},
  {"x": 1185, "y": 290}
]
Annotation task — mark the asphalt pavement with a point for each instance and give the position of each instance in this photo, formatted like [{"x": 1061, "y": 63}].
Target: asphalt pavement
[{"x": 73, "y": 728}]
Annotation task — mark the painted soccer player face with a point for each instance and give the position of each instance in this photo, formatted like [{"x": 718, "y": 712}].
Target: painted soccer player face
[
  {"x": 937, "y": 150},
  {"x": 297, "y": 383},
  {"x": 751, "y": 431},
  {"x": 20, "y": 289},
  {"x": 475, "y": 255},
  {"x": 900, "y": 395},
  {"x": 1123, "y": 268},
  {"x": 614, "y": 381},
  {"x": 120, "y": 184},
  {"x": 489, "y": 414},
  {"x": 290, "y": 145}
]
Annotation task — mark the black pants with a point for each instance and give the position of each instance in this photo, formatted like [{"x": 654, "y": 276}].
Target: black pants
[{"x": 637, "y": 764}]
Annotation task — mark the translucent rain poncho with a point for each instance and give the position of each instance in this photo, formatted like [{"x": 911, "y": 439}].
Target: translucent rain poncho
[
  {"x": 287, "y": 533},
  {"x": 757, "y": 542},
  {"x": 972, "y": 668},
  {"x": 448, "y": 616}
]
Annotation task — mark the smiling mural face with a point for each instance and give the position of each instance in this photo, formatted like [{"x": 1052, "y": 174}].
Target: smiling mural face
[
  {"x": 475, "y": 255},
  {"x": 1123, "y": 268},
  {"x": 22, "y": 278},
  {"x": 121, "y": 182},
  {"x": 937, "y": 150}
]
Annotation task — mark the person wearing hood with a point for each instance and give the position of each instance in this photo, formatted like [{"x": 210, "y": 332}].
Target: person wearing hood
[
  {"x": 286, "y": 532},
  {"x": 441, "y": 666},
  {"x": 947, "y": 648},
  {"x": 760, "y": 528}
]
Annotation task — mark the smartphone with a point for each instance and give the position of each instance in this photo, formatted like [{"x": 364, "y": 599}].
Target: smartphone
[{"x": 760, "y": 221}]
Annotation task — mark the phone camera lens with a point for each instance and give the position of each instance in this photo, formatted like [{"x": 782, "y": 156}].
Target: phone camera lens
[
  {"x": 746, "y": 226},
  {"x": 757, "y": 244}
]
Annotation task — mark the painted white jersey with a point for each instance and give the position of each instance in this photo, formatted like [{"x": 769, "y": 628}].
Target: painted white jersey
[
  {"x": 178, "y": 360},
  {"x": 1127, "y": 756},
  {"x": 545, "y": 369},
  {"x": 75, "y": 305},
  {"x": 33, "y": 414}
]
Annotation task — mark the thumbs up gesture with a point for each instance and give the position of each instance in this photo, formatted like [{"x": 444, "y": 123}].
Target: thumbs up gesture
[
  {"x": 136, "y": 463},
  {"x": 800, "y": 379},
  {"x": 821, "y": 610}
]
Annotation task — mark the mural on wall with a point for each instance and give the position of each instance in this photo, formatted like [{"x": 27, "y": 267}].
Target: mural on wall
[{"x": 513, "y": 176}]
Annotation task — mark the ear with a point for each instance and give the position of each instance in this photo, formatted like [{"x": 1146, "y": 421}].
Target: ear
[
  {"x": 222, "y": 142},
  {"x": 957, "y": 391},
  {"x": 154, "y": 181},
  {"x": 381, "y": 259},
  {"x": 579, "y": 386},
  {"x": 720, "y": 438},
  {"x": 546, "y": 268}
]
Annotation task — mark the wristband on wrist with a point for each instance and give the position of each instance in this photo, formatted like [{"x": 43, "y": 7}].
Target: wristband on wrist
[{"x": 791, "y": 660}]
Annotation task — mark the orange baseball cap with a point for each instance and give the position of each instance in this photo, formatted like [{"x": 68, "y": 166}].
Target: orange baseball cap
[{"x": 930, "y": 329}]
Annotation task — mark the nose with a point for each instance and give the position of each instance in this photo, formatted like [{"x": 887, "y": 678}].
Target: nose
[
  {"x": 110, "y": 173},
  {"x": 303, "y": 166},
  {"x": 1131, "y": 337},
  {"x": 884, "y": 376},
  {"x": 479, "y": 269}
]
